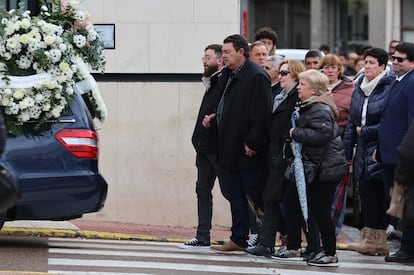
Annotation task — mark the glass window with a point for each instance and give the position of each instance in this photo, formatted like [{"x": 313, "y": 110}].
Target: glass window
[{"x": 407, "y": 21}]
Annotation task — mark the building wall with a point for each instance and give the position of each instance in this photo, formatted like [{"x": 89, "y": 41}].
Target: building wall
[{"x": 145, "y": 148}]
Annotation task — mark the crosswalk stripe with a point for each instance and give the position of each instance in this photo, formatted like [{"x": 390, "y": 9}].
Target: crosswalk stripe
[
  {"x": 182, "y": 267},
  {"x": 95, "y": 255}
]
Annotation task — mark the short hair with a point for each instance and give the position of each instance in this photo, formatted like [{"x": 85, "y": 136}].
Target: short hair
[
  {"x": 217, "y": 48},
  {"x": 379, "y": 54},
  {"x": 407, "y": 48},
  {"x": 393, "y": 41},
  {"x": 266, "y": 32},
  {"x": 276, "y": 60},
  {"x": 332, "y": 60},
  {"x": 324, "y": 47},
  {"x": 255, "y": 44},
  {"x": 316, "y": 79},
  {"x": 295, "y": 68},
  {"x": 313, "y": 53},
  {"x": 239, "y": 42}
]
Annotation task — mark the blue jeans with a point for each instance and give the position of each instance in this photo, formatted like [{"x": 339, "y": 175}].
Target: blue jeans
[{"x": 239, "y": 184}]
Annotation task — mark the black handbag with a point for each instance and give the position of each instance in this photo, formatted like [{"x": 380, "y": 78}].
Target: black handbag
[
  {"x": 310, "y": 170},
  {"x": 9, "y": 189}
]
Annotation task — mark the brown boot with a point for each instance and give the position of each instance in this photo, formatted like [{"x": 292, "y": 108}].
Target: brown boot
[
  {"x": 367, "y": 244},
  {"x": 381, "y": 240}
]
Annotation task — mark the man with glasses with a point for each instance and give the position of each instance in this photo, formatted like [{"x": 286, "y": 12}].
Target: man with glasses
[
  {"x": 397, "y": 115},
  {"x": 204, "y": 140}
]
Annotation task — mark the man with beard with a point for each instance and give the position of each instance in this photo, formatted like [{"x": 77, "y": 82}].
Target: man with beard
[{"x": 204, "y": 140}]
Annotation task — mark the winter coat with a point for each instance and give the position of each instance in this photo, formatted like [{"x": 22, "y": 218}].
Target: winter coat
[
  {"x": 245, "y": 118},
  {"x": 342, "y": 94},
  {"x": 366, "y": 142},
  {"x": 205, "y": 139},
  {"x": 404, "y": 173},
  {"x": 277, "y": 161},
  {"x": 397, "y": 115},
  {"x": 315, "y": 129}
]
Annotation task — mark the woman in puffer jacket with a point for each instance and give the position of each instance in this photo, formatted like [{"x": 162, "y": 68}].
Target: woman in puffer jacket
[
  {"x": 362, "y": 133},
  {"x": 319, "y": 135}
]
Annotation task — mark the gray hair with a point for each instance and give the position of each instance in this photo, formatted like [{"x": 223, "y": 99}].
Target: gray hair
[{"x": 276, "y": 60}]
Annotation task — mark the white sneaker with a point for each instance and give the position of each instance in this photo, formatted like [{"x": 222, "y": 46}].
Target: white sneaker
[{"x": 253, "y": 240}]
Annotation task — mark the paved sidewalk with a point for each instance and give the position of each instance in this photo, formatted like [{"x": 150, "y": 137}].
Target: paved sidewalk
[{"x": 81, "y": 228}]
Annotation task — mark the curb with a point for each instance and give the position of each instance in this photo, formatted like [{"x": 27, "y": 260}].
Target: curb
[{"x": 89, "y": 234}]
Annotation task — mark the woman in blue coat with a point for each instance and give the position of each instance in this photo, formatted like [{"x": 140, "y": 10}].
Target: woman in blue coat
[{"x": 362, "y": 134}]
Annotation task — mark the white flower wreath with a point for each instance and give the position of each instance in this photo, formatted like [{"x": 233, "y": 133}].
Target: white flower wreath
[{"x": 41, "y": 60}]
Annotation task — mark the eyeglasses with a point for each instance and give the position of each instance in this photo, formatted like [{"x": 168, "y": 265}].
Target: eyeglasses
[
  {"x": 206, "y": 58},
  {"x": 399, "y": 59},
  {"x": 284, "y": 73}
]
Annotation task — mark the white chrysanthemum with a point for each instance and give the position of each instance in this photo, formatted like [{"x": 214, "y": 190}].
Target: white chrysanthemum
[
  {"x": 62, "y": 47},
  {"x": 92, "y": 35},
  {"x": 79, "y": 40},
  {"x": 4, "y": 21},
  {"x": 55, "y": 55},
  {"x": 26, "y": 14},
  {"x": 55, "y": 112},
  {"x": 7, "y": 92},
  {"x": 33, "y": 46},
  {"x": 13, "y": 44},
  {"x": 12, "y": 108},
  {"x": 35, "y": 112},
  {"x": 27, "y": 102},
  {"x": 24, "y": 62},
  {"x": 79, "y": 15}
]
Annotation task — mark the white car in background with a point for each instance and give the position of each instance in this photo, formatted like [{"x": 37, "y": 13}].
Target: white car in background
[{"x": 292, "y": 54}]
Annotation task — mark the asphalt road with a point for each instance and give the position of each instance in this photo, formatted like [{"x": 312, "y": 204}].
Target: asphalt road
[{"x": 34, "y": 255}]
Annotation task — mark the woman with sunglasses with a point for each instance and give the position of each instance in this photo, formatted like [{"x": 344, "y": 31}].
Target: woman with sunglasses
[
  {"x": 362, "y": 134},
  {"x": 283, "y": 106}
]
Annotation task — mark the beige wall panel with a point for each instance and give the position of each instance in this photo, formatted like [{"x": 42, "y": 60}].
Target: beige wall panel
[
  {"x": 216, "y": 11},
  {"x": 147, "y": 157},
  {"x": 149, "y": 11}
]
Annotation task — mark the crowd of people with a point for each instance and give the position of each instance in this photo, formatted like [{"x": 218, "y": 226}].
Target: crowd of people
[{"x": 351, "y": 110}]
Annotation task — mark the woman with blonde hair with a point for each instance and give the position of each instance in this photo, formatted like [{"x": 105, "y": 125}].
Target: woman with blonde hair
[{"x": 318, "y": 132}]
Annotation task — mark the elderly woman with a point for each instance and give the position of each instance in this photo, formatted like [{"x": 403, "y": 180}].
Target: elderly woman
[
  {"x": 362, "y": 133},
  {"x": 319, "y": 135}
]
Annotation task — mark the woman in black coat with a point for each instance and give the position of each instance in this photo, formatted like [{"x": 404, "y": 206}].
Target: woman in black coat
[
  {"x": 283, "y": 106},
  {"x": 318, "y": 133},
  {"x": 362, "y": 133}
]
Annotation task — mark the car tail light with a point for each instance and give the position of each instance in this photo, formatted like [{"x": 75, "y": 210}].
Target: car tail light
[{"x": 82, "y": 143}]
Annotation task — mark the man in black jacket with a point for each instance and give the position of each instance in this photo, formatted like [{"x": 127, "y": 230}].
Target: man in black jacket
[
  {"x": 204, "y": 140},
  {"x": 243, "y": 117}
]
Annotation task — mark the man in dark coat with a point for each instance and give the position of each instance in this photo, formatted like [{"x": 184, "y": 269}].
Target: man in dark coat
[
  {"x": 397, "y": 115},
  {"x": 204, "y": 140},
  {"x": 243, "y": 116}
]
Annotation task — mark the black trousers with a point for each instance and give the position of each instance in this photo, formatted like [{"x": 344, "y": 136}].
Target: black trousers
[
  {"x": 320, "y": 196},
  {"x": 207, "y": 172},
  {"x": 295, "y": 222},
  {"x": 373, "y": 203}
]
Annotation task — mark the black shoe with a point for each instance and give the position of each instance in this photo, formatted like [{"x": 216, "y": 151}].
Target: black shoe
[
  {"x": 261, "y": 250},
  {"x": 400, "y": 257},
  {"x": 308, "y": 255},
  {"x": 194, "y": 242}
]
